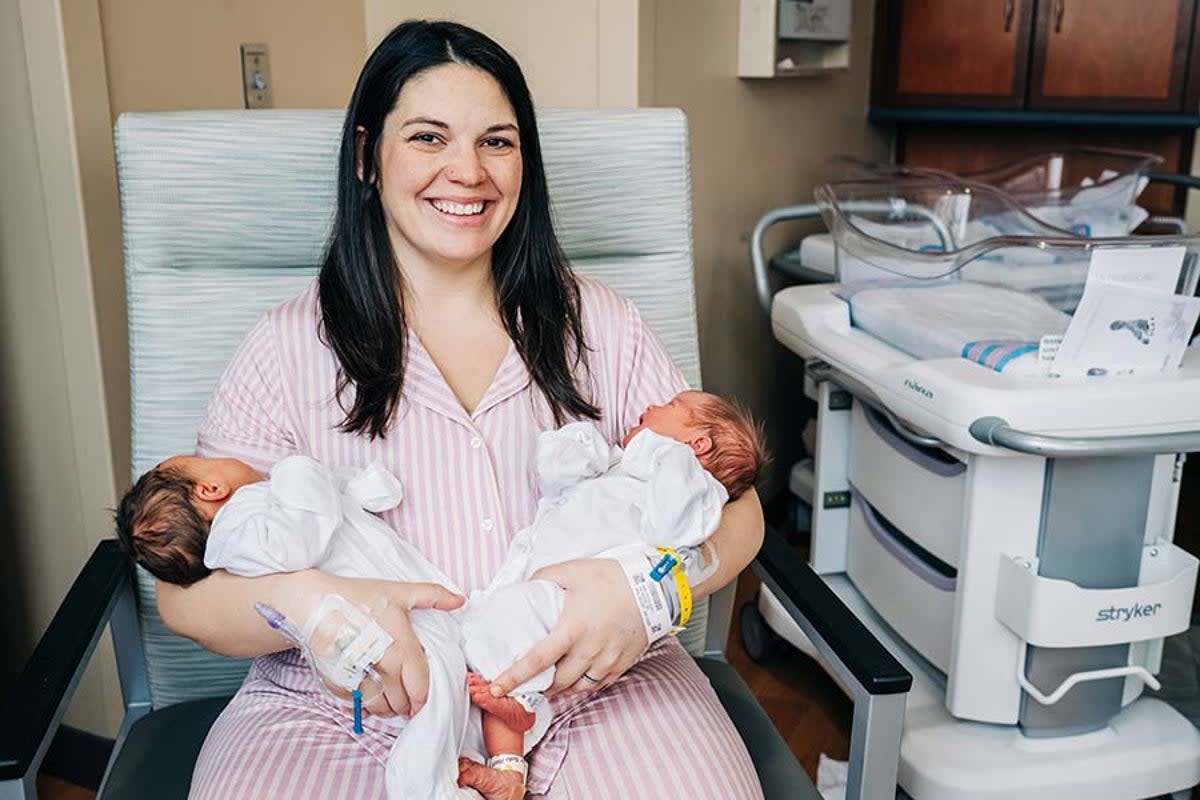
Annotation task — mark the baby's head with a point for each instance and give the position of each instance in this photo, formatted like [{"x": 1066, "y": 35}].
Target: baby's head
[
  {"x": 163, "y": 521},
  {"x": 721, "y": 434}
]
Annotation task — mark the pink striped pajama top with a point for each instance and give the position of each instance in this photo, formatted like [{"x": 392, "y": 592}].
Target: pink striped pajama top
[{"x": 469, "y": 485}]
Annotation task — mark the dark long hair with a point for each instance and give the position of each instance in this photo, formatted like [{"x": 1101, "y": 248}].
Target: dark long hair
[{"x": 362, "y": 311}]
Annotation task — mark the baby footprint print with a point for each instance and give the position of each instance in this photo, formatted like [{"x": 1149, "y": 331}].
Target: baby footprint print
[{"x": 1140, "y": 329}]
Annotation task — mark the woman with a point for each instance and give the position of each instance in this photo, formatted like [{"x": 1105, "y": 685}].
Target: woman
[{"x": 444, "y": 332}]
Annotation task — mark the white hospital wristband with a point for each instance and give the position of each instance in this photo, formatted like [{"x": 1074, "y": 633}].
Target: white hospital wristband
[{"x": 651, "y": 601}]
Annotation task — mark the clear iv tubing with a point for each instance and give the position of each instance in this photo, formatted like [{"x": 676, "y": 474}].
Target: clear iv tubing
[{"x": 280, "y": 623}]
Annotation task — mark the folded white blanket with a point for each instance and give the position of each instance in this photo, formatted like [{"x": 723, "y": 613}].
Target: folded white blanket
[{"x": 992, "y": 325}]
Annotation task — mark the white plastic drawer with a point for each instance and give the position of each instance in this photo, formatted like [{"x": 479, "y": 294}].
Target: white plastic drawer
[
  {"x": 918, "y": 489},
  {"x": 909, "y": 588}
]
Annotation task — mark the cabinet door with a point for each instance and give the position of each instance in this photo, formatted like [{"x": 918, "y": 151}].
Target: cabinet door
[
  {"x": 1119, "y": 55},
  {"x": 967, "y": 53}
]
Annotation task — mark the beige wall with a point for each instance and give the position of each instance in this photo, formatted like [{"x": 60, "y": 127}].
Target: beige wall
[
  {"x": 756, "y": 144},
  {"x": 167, "y": 55},
  {"x": 573, "y": 52},
  {"x": 181, "y": 54},
  {"x": 68, "y": 70}
]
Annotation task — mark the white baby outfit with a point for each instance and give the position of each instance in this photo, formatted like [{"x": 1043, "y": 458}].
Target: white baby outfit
[
  {"x": 307, "y": 515},
  {"x": 596, "y": 502}
]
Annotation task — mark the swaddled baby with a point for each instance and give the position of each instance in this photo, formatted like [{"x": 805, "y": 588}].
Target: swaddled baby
[
  {"x": 665, "y": 489},
  {"x": 190, "y": 515}
]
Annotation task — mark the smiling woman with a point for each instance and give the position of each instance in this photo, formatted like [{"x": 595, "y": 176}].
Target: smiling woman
[
  {"x": 446, "y": 331},
  {"x": 448, "y": 185}
]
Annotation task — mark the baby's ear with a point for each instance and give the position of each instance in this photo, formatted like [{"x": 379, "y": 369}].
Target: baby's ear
[
  {"x": 210, "y": 491},
  {"x": 701, "y": 445}
]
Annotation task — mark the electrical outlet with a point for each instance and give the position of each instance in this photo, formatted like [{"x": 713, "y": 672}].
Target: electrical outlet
[{"x": 256, "y": 76}]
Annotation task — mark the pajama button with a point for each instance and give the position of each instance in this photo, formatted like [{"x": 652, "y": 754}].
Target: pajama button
[
  {"x": 487, "y": 524},
  {"x": 476, "y": 442}
]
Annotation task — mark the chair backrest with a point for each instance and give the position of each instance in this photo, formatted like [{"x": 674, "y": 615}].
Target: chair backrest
[{"x": 225, "y": 214}]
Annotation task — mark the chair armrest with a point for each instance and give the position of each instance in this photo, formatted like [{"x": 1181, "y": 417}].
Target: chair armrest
[
  {"x": 35, "y": 703},
  {"x": 877, "y": 682},
  {"x": 835, "y": 631}
]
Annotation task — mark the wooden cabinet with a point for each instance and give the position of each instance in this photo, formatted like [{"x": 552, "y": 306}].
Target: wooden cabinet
[
  {"x": 1122, "y": 55},
  {"x": 1097, "y": 55},
  {"x": 955, "y": 52}
]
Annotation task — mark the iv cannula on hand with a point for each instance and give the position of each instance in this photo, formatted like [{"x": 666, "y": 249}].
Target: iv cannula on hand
[
  {"x": 280, "y": 623},
  {"x": 283, "y": 625}
]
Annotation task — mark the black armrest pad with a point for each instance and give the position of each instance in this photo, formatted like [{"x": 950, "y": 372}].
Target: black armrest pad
[
  {"x": 33, "y": 701},
  {"x": 869, "y": 661}
]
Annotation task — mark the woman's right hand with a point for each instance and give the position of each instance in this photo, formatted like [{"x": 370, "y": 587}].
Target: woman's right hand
[{"x": 403, "y": 667}]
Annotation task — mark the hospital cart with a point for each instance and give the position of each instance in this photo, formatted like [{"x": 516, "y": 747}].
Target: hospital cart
[{"x": 1007, "y": 534}]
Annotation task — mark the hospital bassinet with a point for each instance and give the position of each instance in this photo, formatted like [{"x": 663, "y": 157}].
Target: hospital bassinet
[
  {"x": 1090, "y": 191},
  {"x": 1086, "y": 191},
  {"x": 1008, "y": 533}
]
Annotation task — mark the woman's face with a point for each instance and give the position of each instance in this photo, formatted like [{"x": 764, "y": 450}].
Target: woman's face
[{"x": 448, "y": 167}]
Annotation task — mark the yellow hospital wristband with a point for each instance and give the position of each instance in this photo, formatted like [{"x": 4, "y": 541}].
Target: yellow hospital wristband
[{"x": 681, "y": 584}]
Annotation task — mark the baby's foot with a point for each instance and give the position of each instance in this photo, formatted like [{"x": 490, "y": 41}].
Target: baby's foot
[
  {"x": 510, "y": 712},
  {"x": 1140, "y": 329},
  {"x": 493, "y": 784}
]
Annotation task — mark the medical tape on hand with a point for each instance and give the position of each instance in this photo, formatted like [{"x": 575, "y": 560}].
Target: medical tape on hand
[
  {"x": 672, "y": 564},
  {"x": 699, "y": 563},
  {"x": 649, "y": 595},
  {"x": 507, "y": 762},
  {"x": 351, "y": 642}
]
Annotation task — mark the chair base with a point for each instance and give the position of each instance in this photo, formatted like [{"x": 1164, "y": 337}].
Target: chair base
[{"x": 156, "y": 760}]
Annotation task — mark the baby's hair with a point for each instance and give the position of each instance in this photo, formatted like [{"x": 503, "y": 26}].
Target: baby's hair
[
  {"x": 159, "y": 526},
  {"x": 738, "y": 453}
]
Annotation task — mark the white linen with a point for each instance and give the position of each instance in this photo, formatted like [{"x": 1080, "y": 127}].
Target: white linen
[{"x": 943, "y": 320}]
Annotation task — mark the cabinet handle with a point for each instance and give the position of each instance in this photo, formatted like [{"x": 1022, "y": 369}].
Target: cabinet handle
[
  {"x": 1008, "y": 15},
  {"x": 1060, "y": 8}
]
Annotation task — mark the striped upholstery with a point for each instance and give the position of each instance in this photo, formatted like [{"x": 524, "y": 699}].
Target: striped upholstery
[{"x": 225, "y": 214}]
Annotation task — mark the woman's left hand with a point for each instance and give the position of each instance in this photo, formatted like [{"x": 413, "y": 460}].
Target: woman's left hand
[{"x": 599, "y": 633}]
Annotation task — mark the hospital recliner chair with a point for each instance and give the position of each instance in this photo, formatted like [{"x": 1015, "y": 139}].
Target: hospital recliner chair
[{"x": 224, "y": 216}]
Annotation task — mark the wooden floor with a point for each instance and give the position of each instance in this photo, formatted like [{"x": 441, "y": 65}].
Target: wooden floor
[
  {"x": 50, "y": 788},
  {"x": 807, "y": 707}
]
